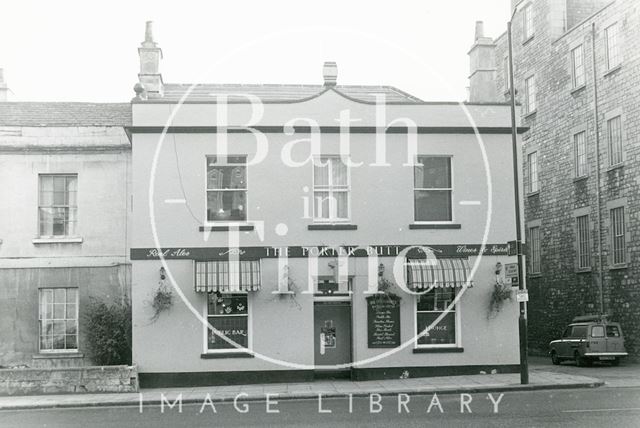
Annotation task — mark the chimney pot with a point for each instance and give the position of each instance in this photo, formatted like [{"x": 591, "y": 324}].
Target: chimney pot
[
  {"x": 330, "y": 73},
  {"x": 479, "y": 29},
  {"x": 148, "y": 35}
]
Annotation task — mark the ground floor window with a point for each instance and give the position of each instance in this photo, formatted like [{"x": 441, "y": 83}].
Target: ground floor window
[
  {"x": 228, "y": 313},
  {"x": 429, "y": 307},
  {"x": 58, "y": 319}
]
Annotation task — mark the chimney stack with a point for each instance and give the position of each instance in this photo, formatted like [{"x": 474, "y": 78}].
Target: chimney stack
[
  {"x": 330, "y": 73},
  {"x": 4, "y": 89},
  {"x": 150, "y": 56},
  {"x": 482, "y": 85}
]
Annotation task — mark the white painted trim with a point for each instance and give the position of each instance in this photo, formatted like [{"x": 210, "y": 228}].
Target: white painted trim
[
  {"x": 205, "y": 330},
  {"x": 332, "y": 204},
  {"x": 451, "y": 188},
  {"x": 38, "y": 241},
  {"x": 458, "y": 342}
]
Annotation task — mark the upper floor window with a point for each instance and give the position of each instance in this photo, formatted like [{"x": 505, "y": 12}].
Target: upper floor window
[
  {"x": 618, "y": 241},
  {"x": 527, "y": 22},
  {"x": 57, "y": 207},
  {"x": 58, "y": 319},
  {"x": 534, "y": 250},
  {"x": 577, "y": 66},
  {"x": 330, "y": 189},
  {"x": 530, "y": 95},
  {"x": 226, "y": 188},
  {"x": 612, "y": 47},
  {"x": 433, "y": 189},
  {"x": 532, "y": 161},
  {"x": 583, "y": 242},
  {"x": 614, "y": 136},
  {"x": 580, "y": 147}
]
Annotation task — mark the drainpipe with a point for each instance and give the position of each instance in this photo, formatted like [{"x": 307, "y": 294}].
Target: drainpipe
[{"x": 598, "y": 202}]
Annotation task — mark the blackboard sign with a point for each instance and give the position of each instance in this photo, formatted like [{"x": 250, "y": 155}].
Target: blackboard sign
[{"x": 383, "y": 321}]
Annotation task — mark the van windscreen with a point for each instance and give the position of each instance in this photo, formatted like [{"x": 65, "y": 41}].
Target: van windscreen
[{"x": 579, "y": 331}]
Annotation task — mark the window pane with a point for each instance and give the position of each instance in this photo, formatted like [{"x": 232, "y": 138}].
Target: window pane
[
  {"x": 227, "y": 304},
  {"x": 232, "y": 327},
  {"x": 433, "y": 172},
  {"x": 597, "y": 331},
  {"x": 321, "y": 172},
  {"x": 321, "y": 204},
  {"x": 226, "y": 177},
  {"x": 613, "y": 56},
  {"x": 226, "y": 206},
  {"x": 534, "y": 249},
  {"x": 72, "y": 341},
  {"x": 432, "y": 205},
  {"x": 614, "y": 130},
  {"x": 342, "y": 204},
  {"x": 618, "y": 235},
  {"x": 444, "y": 333},
  {"x": 533, "y": 171},
  {"x": 580, "y": 144},
  {"x": 583, "y": 241},
  {"x": 338, "y": 172},
  {"x": 578, "y": 66}
]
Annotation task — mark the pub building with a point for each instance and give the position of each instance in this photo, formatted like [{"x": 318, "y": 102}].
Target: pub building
[{"x": 319, "y": 236}]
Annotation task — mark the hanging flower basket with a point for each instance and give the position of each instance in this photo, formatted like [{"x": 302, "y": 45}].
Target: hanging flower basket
[{"x": 162, "y": 300}]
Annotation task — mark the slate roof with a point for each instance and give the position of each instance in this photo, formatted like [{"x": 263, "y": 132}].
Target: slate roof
[
  {"x": 64, "y": 114},
  {"x": 281, "y": 93}
]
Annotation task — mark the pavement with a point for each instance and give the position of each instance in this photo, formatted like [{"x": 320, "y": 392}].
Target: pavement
[{"x": 538, "y": 380}]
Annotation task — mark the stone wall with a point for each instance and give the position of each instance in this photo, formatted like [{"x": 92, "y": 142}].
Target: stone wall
[
  {"x": 68, "y": 380},
  {"x": 561, "y": 291}
]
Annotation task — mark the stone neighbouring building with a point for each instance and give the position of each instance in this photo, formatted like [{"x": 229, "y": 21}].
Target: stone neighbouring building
[
  {"x": 569, "y": 213},
  {"x": 65, "y": 170}
]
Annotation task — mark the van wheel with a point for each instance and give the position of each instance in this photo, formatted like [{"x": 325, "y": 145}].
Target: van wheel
[
  {"x": 615, "y": 362},
  {"x": 554, "y": 358},
  {"x": 580, "y": 361}
]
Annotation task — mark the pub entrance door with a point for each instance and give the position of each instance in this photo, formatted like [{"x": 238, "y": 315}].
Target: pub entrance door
[{"x": 332, "y": 338}]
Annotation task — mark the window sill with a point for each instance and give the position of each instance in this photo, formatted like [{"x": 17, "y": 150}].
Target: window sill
[
  {"x": 414, "y": 226},
  {"x": 616, "y": 166},
  {"x": 611, "y": 71},
  {"x": 583, "y": 270},
  {"x": 437, "y": 350},
  {"x": 528, "y": 40},
  {"x": 284, "y": 292},
  {"x": 216, "y": 355},
  {"x": 332, "y": 226},
  {"x": 578, "y": 89},
  {"x": 37, "y": 241},
  {"x": 531, "y": 114},
  {"x": 579, "y": 179},
  {"x": 226, "y": 228},
  {"x": 534, "y": 275},
  {"x": 537, "y": 192},
  {"x": 48, "y": 355},
  {"x": 617, "y": 267}
]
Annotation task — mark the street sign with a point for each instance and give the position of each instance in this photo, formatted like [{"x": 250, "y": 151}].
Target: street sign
[
  {"x": 511, "y": 273},
  {"x": 522, "y": 296}
]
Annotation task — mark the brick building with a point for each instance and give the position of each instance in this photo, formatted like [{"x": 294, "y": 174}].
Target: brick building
[{"x": 581, "y": 155}]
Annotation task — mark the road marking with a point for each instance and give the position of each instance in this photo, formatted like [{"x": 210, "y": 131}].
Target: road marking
[
  {"x": 601, "y": 410},
  {"x": 175, "y": 201},
  {"x": 470, "y": 202}
]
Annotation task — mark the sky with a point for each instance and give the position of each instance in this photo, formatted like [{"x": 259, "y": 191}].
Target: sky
[{"x": 87, "y": 50}]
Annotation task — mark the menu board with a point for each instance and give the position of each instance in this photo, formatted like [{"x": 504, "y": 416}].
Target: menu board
[{"x": 383, "y": 321}]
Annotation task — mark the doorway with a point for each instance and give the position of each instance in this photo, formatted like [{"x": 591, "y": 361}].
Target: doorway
[{"x": 332, "y": 338}]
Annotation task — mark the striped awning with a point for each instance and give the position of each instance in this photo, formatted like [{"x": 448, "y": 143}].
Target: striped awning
[
  {"x": 437, "y": 273},
  {"x": 227, "y": 277}
]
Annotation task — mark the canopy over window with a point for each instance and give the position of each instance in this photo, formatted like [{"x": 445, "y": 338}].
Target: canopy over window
[
  {"x": 227, "y": 277},
  {"x": 438, "y": 273}
]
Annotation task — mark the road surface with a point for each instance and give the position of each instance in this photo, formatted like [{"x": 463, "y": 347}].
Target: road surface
[{"x": 599, "y": 407}]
